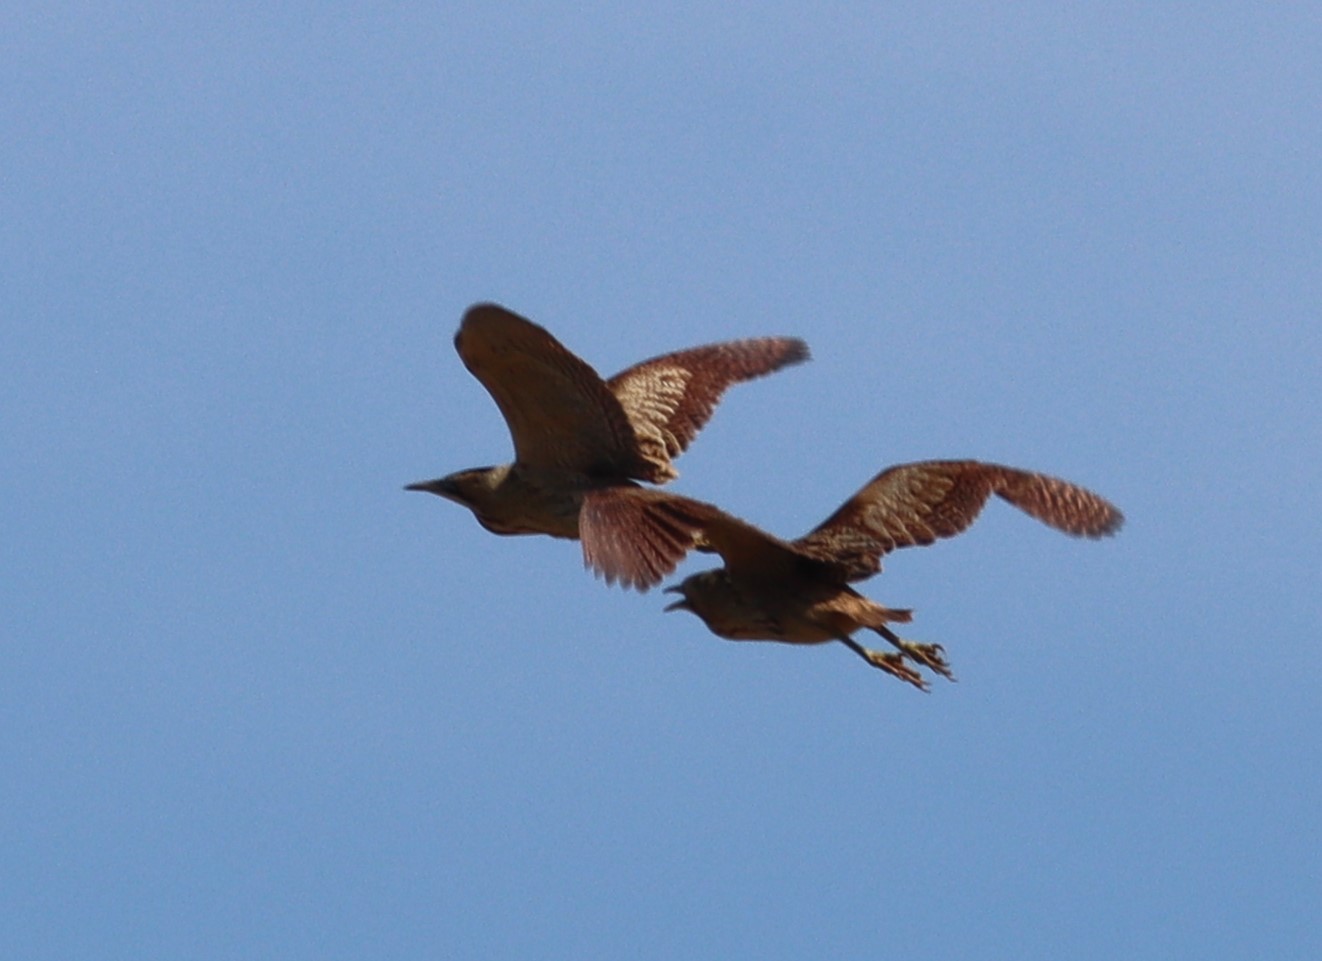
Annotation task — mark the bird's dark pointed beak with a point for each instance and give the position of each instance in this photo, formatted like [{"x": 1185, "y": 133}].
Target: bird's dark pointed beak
[
  {"x": 441, "y": 487},
  {"x": 680, "y": 605}
]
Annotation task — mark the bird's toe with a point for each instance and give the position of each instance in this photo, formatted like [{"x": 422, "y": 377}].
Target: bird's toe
[
  {"x": 896, "y": 666},
  {"x": 930, "y": 655}
]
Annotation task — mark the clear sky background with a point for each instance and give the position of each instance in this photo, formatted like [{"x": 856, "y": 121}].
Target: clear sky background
[{"x": 258, "y": 702}]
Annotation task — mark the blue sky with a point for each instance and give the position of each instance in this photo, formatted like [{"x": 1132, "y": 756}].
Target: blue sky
[{"x": 256, "y": 701}]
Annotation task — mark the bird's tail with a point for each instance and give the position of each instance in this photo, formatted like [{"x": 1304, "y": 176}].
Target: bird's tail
[{"x": 880, "y": 616}]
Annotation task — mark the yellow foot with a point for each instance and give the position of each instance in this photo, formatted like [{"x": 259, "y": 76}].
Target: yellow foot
[
  {"x": 894, "y": 665},
  {"x": 929, "y": 655}
]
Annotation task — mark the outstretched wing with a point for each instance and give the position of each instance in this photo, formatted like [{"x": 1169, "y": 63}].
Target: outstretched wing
[
  {"x": 637, "y": 536},
  {"x": 559, "y": 411},
  {"x": 915, "y": 504},
  {"x": 668, "y": 399}
]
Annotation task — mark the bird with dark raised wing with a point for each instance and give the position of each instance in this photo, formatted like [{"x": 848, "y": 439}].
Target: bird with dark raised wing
[
  {"x": 579, "y": 439},
  {"x": 798, "y": 591}
]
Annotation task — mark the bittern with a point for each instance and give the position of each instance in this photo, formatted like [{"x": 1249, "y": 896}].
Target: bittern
[
  {"x": 798, "y": 591},
  {"x": 579, "y": 439}
]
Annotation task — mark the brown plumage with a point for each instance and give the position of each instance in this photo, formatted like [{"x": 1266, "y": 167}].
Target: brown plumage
[
  {"x": 581, "y": 440},
  {"x": 798, "y": 591}
]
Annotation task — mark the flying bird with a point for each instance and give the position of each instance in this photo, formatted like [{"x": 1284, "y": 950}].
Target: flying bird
[
  {"x": 579, "y": 439},
  {"x": 798, "y": 591}
]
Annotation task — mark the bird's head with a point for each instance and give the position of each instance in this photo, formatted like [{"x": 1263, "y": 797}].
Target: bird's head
[
  {"x": 471, "y": 488},
  {"x": 700, "y": 593},
  {"x": 726, "y": 609}
]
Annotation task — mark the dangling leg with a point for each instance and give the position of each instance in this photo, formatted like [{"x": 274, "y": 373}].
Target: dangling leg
[
  {"x": 892, "y": 664},
  {"x": 930, "y": 655}
]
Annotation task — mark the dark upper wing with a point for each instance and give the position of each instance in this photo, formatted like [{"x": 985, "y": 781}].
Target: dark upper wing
[
  {"x": 915, "y": 504},
  {"x": 668, "y": 399},
  {"x": 559, "y": 411},
  {"x": 750, "y": 553}
]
